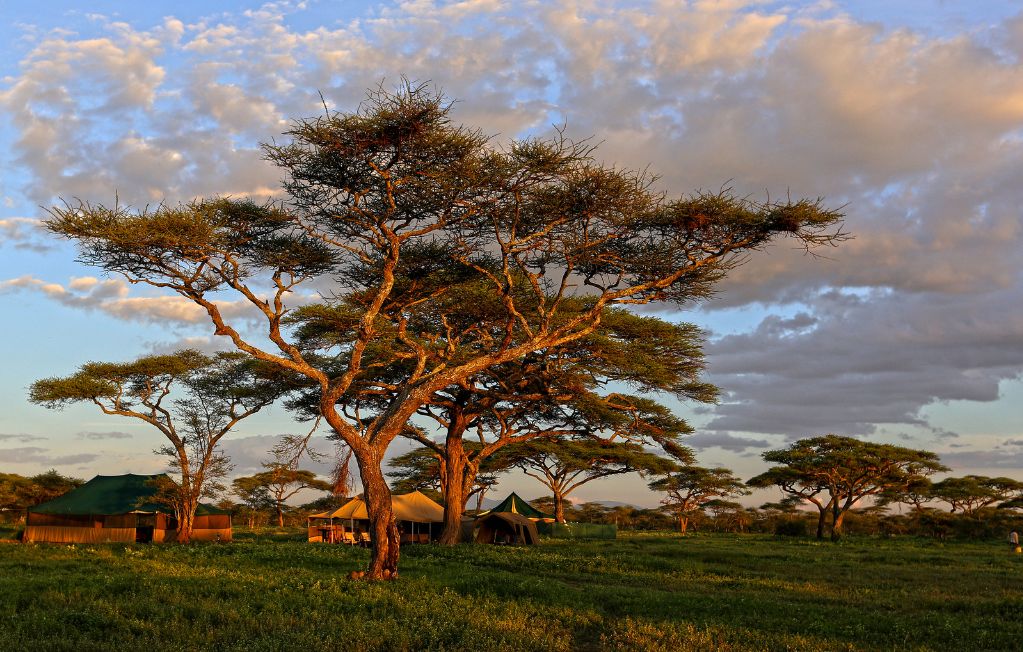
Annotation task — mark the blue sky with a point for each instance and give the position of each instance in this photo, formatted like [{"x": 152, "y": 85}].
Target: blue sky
[{"x": 908, "y": 113}]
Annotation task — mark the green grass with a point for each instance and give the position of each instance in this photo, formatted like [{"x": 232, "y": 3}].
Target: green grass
[{"x": 271, "y": 591}]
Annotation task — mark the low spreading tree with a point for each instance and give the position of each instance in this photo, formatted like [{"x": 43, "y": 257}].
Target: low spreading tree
[
  {"x": 193, "y": 400},
  {"x": 970, "y": 493},
  {"x": 389, "y": 209},
  {"x": 847, "y": 469},
  {"x": 799, "y": 486},
  {"x": 691, "y": 487},
  {"x": 564, "y": 465}
]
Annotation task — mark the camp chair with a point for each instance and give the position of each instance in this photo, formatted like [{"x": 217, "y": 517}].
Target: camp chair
[
  {"x": 364, "y": 538},
  {"x": 348, "y": 537}
]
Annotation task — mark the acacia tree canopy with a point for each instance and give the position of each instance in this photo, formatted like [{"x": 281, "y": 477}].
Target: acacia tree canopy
[
  {"x": 194, "y": 400},
  {"x": 554, "y": 236},
  {"x": 690, "y": 487},
  {"x": 969, "y": 493},
  {"x": 848, "y": 469}
]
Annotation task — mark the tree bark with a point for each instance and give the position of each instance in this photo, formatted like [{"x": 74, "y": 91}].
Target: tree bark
[
  {"x": 382, "y": 528},
  {"x": 836, "y": 523},
  {"x": 453, "y": 489},
  {"x": 280, "y": 515},
  {"x": 821, "y": 516},
  {"x": 186, "y": 519},
  {"x": 683, "y": 524},
  {"x": 559, "y": 507}
]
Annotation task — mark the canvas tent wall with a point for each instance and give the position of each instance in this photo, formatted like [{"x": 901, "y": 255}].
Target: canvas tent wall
[
  {"x": 118, "y": 508},
  {"x": 516, "y": 505},
  {"x": 412, "y": 511},
  {"x": 506, "y": 527}
]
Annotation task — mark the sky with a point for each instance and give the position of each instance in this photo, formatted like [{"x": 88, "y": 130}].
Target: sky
[{"x": 909, "y": 115}]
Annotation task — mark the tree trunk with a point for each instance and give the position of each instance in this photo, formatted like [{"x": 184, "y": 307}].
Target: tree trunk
[
  {"x": 280, "y": 515},
  {"x": 453, "y": 489},
  {"x": 821, "y": 516},
  {"x": 836, "y": 523},
  {"x": 382, "y": 528},
  {"x": 559, "y": 507},
  {"x": 186, "y": 519},
  {"x": 683, "y": 524}
]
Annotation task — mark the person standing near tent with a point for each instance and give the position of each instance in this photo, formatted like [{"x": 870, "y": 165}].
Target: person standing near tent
[{"x": 1014, "y": 542}]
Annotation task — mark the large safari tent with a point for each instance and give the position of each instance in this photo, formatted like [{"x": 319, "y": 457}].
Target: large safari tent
[
  {"x": 118, "y": 508},
  {"x": 414, "y": 512},
  {"x": 505, "y": 527},
  {"x": 515, "y": 505}
]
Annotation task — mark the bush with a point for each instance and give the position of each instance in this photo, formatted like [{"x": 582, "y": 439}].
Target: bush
[{"x": 795, "y": 527}]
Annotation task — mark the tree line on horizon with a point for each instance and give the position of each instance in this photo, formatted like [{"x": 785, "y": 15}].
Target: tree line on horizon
[{"x": 822, "y": 472}]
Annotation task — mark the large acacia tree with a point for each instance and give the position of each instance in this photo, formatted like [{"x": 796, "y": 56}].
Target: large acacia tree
[
  {"x": 193, "y": 400},
  {"x": 540, "y": 225},
  {"x": 846, "y": 470}
]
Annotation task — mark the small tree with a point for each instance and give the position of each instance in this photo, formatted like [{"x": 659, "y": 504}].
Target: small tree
[
  {"x": 691, "y": 487},
  {"x": 214, "y": 395},
  {"x": 564, "y": 465},
  {"x": 276, "y": 486},
  {"x": 848, "y": 469}
]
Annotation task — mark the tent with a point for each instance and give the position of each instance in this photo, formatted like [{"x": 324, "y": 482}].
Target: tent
[
  {"x": 117, "y": 508},
  {"x": 412, "y": 511},
  {"x": 506, "y": 527},
  {"x": 516, "y": 505}
]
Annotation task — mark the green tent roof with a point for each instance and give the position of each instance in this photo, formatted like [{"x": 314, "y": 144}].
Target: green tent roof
[
  {"x": 516, "y": 505},
  {"x": 113, "y": 494}
]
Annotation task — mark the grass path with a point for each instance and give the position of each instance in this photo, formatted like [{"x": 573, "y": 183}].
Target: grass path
[{"x": 713, "y": 592}]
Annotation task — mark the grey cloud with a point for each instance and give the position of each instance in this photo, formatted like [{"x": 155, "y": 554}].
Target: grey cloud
[
  {"x": 21, "y": 438},
  {"x": 870, "y": 360},
  {"x": 726, "y": 441},
  {"x": 96, "y": 436},
  {"x": 997, "y": 458},
  {"x": 249, "y": 453},
  {"x": 43, "y": 456}
]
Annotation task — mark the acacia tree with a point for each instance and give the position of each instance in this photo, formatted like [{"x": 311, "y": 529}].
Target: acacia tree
[
  {"x": 280, "y": 483},
  {"x": 564, "y": 465},
  {"x": 689, "y": 488},
  {"x": 194, "y": 400},
  {"x": 969, "y": 493},
  {"x": 558, "y": 394},
  {"x": 800, "y": 486},
  {"x": 848, "y": 469},
  {"x": 539, "y": 224}
]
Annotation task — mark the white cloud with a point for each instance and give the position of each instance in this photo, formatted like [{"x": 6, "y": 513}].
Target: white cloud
[
  {"x": 919, "y": 137},
  {"x": 111, "y": 296},
  {"x": 23, "y": 233}
]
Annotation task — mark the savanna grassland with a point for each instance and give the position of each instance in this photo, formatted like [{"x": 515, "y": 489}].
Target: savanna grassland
[{"x": 272, "y": 591}]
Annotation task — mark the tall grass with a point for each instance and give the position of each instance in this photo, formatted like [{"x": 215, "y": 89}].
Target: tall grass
[{"x": 269, "y": 591}]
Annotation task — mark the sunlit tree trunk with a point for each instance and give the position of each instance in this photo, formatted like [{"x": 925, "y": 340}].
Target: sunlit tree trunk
[{"x": 383, "y": 530}]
